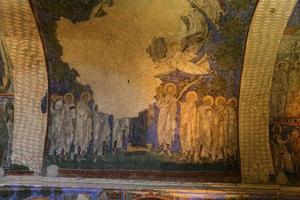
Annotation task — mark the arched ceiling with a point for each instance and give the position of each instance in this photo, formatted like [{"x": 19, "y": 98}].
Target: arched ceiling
[
  {"x": 267, "y": 27},
  {"x": 31, "y": 83},
  {"x": 25, "y": 47}
]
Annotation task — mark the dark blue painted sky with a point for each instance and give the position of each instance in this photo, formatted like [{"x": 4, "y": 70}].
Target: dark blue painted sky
[{"x": 295, "y": 18}]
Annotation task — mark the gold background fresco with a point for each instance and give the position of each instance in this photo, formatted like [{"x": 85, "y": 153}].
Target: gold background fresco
[
  {"x": 123, "y": 52},
  {"x": 110, "y": 52}
]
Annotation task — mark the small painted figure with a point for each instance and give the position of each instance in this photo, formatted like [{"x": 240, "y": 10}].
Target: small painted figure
[
  {"x": 56, "y": 123},
  {"x": 97, "y": 134},
  {"x": 69, "y": 122},
  {"x": 205, "y": 128},
  {"x": 101, "y": 134},
  {"x": 189, "y": 126},
  {"x": 3, "y": 138},
  {"x": 9, "y": 118},
  {"x": 166, "y": 126},
  {"x": 220, "y": 130},
  {"x": 295, "y": 141},
  {"x": 84, "y": 126},
  {"x": 294, "y": 73},
  {"x": 232, "y": 145},
  {"x": 279, "y": 89},
  {"x": 281, "y": 157},
  {"x": 120, "y": 129}
]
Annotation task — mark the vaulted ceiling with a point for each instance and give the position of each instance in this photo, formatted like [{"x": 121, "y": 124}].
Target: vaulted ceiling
[{"x": 24, "y": 44}]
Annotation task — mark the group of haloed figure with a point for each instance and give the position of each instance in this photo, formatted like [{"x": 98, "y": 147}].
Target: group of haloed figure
[
  {"x": 71, "y": 125},
  {"x": 207, "y": 129}
]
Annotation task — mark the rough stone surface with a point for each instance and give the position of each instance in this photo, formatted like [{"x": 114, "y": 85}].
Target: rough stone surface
[
  {"x": 25, "y": 49},
  {"x": 267, "y": 27}
]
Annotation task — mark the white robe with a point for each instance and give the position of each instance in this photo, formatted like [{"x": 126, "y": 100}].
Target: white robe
[
  {"x": 220, "y": 133},
  {"x": 105, "y": 128},
  {"x": 188, "y": 127},
  {"x": 120, "y": 127},
  {"x": 83, "y": 127},
  {"x": 97, "y": 146},
  {"x": 166, "y": 124},
  {"x": 205, "y": 129},
  {"x": 56, "y": 127},
  {"x": 101, "y": 132},
  {"x": 232, "y": 132},
  {"x": 68, "y": 129}
]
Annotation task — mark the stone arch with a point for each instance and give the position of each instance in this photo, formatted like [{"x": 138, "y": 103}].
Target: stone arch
[
  {"x": 27, "y": 55},
  {"x": 31, "y": 83},
  {"x": 268, "y": 24}
]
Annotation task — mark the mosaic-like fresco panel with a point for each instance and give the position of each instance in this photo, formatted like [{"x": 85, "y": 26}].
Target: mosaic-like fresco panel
[
  {"x": 285, "y": 104},
  {"x": 6, "y": 106},
  {"x": 66, "y": 193},
  {"x": 144, "y": 84}
]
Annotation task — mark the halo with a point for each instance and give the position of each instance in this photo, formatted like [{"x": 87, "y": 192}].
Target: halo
[
  {"x": 69, "y": 94},
  {"x": 282, "y": 62},
  {"x": 192, "y": 93},
  {"x": 209, "y": 98},
  {"x": 53, "y": 97},
  {"x": 85, "y": 93},
  {"x": 218, "y": 99},
  {"x": 170, "y": 85},
  {"x": 277, "y": 126},
  {"x": 59, "y": 97},
  {"x": 229, "y": 101}
]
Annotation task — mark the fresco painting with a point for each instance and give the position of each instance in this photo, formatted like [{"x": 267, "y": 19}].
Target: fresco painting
[
  {"x": 284, "y": 105},
  {"x": 65, "y": 193},
  {"x": 135, "y": 88},
  {"x": 6, "y": 106}
]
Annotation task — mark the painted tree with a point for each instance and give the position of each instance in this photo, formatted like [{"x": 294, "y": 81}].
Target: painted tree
[{"x": 63, "y": 78}]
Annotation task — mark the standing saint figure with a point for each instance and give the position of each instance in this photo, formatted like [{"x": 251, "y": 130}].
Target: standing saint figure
[
  {"x": 281, "y": 157},
  {"x": 97, "y": 135},
  {"x": 166, "y": 125},
  {"x": 279, "y": 89},
  {"x": 294, "y": 73},
  {"x": 84, "y": 127},
  {"x": 189, "y": 126},
  {"x": 3, "y": 138},
  {"x": 56, "y": 123},
  {"x": 220, "y": 130},
  {"x": 295, "y": 143},
  {"x": 69, "y": 124},
  {"x": 232, "y": 129},
  {"x": 205, "y": 128},
  {"x": 9, "y": 118}
]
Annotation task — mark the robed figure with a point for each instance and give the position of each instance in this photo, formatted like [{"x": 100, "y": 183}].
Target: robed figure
[
  {"x": 220, "y": 130},
  {"x": 69, "y": 123},
  {"x": 56, "y": 123},
  {"x": 232, "y": 129},
  {"x": 166, "y": 125},
  {"x": 189, "y": 126},
  {"x": 205, "y": 127},
  {"x": 84, "y": 126}
]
